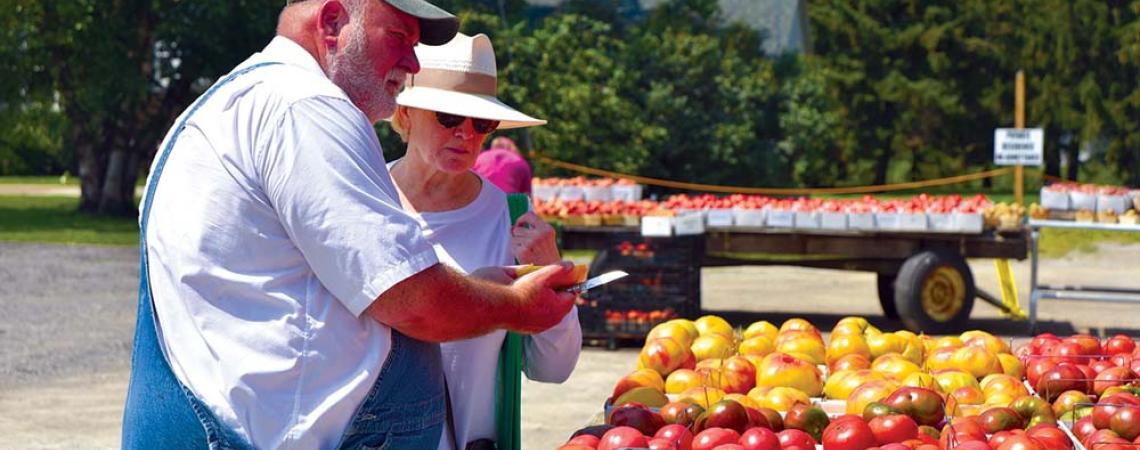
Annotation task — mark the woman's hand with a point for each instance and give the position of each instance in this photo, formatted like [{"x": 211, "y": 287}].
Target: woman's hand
[{"x": 532, "y": 241}]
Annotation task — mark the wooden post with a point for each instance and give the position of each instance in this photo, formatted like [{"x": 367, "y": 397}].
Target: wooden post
[{"x": 1019, "y": 123}]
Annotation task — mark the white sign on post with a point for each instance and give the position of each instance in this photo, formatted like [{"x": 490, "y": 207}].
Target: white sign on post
[{"x": 1014, "y": 146}]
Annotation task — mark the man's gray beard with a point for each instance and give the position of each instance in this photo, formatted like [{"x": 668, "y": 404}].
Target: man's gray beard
[{"x": 352, "y": 71}]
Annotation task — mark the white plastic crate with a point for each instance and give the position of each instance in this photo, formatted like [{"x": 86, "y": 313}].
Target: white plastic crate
[
  {"x": 861, "y": 221},
  {"x": 598, "y": 193},
  {"x": 719, "y": 217},
  {"x": 657, "y": 226},
  {"x": 808, "y": 220},
  {"x": 1082, "y": 200},
  {"x": 943, "y": 222},
  {"x": 781, "y": 219},
  {"x": 626, "y": 192},
  {"x": 571, "y": 193},
  {"x": 1055, "y": 200},
  {"x": 829, "y": 220},
  {"x": 888, "y": 221},
  {"x": 689, "y": 224},
  {"x": 546, "y": 192},
  {"x": 970, "y": 222},
  {"x": 1117, "y": 203},
  {"x": 748, "y": 217},
  {"x": 915, "y": 221}
]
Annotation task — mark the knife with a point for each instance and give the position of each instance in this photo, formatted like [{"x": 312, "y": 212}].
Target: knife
[{"x": 597, "y": 281}]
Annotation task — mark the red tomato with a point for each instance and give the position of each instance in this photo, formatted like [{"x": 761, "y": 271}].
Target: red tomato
[
  {"x": 729, "y": 447},
  {"x": 713, "y": 437},
  {"x": 1020, "y": 442},
  {"x": 849, "y": 435},
  {"x": 1083, "y": 428},
  {"x": 678, "y": 434},
  {"x": 965, "y": 429},
  {"x": 893, "y": 428},
  {"x": 588, "y": 440},
  {"x": 619, "y": 437},
  {"x": 999, "y": 438},
  {"x": 973, "y": 445},
  {"x": 662, "y": 444},
  {"x": 760, "y": 439},
  {"x": 1119, "y": 344},
  {"x": 1050, "y": 437},
  {"x": 792, "y": 437}
]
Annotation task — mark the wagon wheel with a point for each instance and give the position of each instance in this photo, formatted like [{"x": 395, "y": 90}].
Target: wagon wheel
[
  {"x": 934, "y": 292},
  {"x": 886, "y": 284}
]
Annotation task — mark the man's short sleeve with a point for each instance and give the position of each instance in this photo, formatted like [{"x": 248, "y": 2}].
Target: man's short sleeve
[{"x": 323, "y": 172}]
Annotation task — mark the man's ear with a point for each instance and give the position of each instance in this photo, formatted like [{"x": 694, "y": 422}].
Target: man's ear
[{"x": 331, "y": 18}]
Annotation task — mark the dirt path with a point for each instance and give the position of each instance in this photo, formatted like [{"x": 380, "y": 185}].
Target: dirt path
[
  {"x": 46, "y": 190},
  {"x": 51, "y": 190},
  {"x": 68, "y": 313}
]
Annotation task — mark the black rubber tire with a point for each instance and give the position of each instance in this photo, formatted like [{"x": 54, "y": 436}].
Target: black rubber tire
[
  {"x": 886, "y": 284},
  {"x": 909, "y": 291}
]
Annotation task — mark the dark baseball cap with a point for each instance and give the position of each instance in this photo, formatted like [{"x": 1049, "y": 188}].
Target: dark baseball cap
[{"x": 437, "y": 27}]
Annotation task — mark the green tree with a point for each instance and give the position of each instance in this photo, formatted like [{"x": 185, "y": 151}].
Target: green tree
[{"x": 120, "y": 72}]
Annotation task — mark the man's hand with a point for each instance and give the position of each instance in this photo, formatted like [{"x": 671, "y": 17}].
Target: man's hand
[{"x": 540, "y": 306}]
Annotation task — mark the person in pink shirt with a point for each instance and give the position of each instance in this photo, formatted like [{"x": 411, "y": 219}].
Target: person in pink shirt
[{"x": 504, "y": 166}]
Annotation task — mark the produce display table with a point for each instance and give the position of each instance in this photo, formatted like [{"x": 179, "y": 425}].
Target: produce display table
[
  {"x": 1039, "y": 292},
  {"x": 923, "y": 278}
]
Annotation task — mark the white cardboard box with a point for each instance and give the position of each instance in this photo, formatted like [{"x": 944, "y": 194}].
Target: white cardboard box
[{"x": 830, "y": 220}]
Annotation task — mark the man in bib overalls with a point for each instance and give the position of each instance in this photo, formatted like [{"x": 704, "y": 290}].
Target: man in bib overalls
[{"x": 286, "y": 301}]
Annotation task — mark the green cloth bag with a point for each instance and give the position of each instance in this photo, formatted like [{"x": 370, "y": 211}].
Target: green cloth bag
[{"x": 508, "y": 404}]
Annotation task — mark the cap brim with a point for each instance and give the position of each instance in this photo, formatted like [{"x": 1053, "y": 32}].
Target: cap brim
[
  {"x": 468, "y": 105},
  {"x": 437, "y": 27}
]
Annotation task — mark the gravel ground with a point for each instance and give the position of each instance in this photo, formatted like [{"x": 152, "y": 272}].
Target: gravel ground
[
  {"x": 64, "y": 310},
  {"x": 67, "y": 317}
]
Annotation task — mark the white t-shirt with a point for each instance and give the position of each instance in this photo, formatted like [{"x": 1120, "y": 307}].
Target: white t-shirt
[
  {"x": 274, "y": 225},
  {"x": 478, "y": 235}
]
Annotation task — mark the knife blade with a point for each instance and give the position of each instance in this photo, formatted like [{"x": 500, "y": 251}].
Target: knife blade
[{"x": 597, "y": 281}]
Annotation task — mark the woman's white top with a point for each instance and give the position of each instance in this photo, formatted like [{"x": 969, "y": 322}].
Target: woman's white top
[{"x": 478, "y": 235}]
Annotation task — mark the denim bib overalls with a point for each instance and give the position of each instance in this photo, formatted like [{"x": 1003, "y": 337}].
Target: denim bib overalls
[{"x": 404, "y": 409}]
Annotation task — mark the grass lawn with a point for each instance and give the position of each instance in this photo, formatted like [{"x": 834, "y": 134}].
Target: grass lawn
[
  {"x": 56, "y": 220},
  {"x": 1058, "y": 242}
]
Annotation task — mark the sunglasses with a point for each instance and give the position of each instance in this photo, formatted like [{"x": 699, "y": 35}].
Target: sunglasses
[{"x": 481, "y": 126}]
